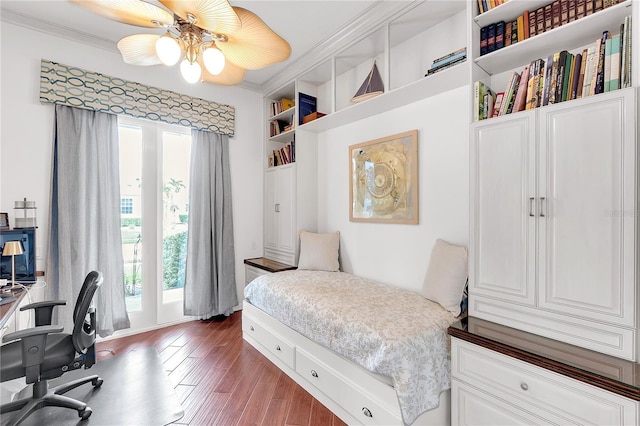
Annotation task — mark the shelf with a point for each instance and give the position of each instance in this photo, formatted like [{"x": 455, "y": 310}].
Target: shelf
[
  {"x": 508, "y": 11},
  {"x": 284, "y": 136},
  {"x": 573, "y": 35},
  {"x": 432, "y": 85},
  {"x": 286, "y": 114}
]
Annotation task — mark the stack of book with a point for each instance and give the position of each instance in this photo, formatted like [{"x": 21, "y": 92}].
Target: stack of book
[
  {"x": 279, "y": 126},
  {"x": 447, "y": 61},
  {"x": 484, "y": 5},
  {"x": 537, "y": 21},
  {"x": 284, "y": 155},
  {"x": 281, "y": 105},
  {"x": 602, "y": 67}
]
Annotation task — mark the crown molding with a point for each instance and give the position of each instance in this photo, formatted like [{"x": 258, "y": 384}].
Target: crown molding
[
  {"x": 54, "y": 29},
  {"x": 366, "y": 23}
]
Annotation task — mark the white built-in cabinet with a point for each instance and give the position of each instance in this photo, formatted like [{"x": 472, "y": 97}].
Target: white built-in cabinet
[
  {"x": 553, "y": 226},
  {"x": 489, "y": 388},
  {"x": 280, "y": 205}
]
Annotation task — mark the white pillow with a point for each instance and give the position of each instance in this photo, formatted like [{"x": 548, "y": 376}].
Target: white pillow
[
  {"x": 319, "y": 252},
  {"x": 446, "y": 275}
]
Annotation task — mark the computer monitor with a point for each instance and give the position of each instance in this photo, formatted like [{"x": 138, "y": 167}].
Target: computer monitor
[{"x": 25, "y": 263}]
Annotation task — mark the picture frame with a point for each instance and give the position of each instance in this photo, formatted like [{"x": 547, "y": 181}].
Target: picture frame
[
  {"x": 383, "y": 180},
  {"x": 4, "y": 221}
]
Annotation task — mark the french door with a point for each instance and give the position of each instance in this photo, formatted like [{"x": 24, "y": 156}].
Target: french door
[{"x": 154, "y": 206}]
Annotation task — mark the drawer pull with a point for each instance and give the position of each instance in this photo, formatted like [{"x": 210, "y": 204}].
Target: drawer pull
[
  {"x": 367, "y": 412},
  {"x": 314, "y": 373},
  {"x": 278, "y": 347},
  {"x": 251, "y": 327},
  {"x": 524, "y": 386}
]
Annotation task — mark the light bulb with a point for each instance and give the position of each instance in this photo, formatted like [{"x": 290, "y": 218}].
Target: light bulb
[
  {"x": 190, "y": 71},
  {"x": 213, "y": 59},
  {"x": 168, "y": 50}
]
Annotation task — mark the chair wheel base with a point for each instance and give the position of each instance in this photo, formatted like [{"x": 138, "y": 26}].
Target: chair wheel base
[
  {"x": 96, "y": 383},
  {"x": 85, "y": 414}
]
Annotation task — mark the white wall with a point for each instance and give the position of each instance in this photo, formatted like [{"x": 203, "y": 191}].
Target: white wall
[
  {"x": 399, "y": 254},
  {"x": 26, "y": 130}
]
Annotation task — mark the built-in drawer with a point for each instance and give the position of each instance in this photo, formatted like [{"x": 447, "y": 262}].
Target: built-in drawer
[
  {"x": 357, "y": 401},
  {"x": 274, "y": 343},
  {"x": 251, "y": 273},
  {"x": 550, "y": 392}
]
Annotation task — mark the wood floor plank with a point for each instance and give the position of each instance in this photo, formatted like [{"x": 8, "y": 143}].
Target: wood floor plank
[
  {"x": 221, "y": 379},
  {"x": 300, "y": 410}
]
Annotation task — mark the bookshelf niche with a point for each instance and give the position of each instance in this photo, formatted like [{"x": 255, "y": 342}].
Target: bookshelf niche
[{"x": 568, "y": 36}]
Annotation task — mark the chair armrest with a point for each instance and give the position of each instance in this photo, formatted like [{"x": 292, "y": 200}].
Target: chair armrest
[
  {"x": 43, "y": 310},
  {"x": 29, "y": 332}
]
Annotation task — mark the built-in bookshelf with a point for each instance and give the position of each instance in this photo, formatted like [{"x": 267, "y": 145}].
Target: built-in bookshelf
[
  {"x": 281, "y": 126},
  {"x": 404, "y": 47},
  {"x": 573, "y": 39}
]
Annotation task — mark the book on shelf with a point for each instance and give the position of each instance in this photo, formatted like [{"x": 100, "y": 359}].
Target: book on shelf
[
  {"x": 575, "y": 77},
  {"x": 479, "y": 90},
  {"x": 514, "y": 31},
  {"x": 284, "y": 155},
  {"x": 487, "y": 103},
  {"x": 613, "y": 82},
  {"x": 282, "y": 105},
  {"x": 445, "y": 66},
  {"x": 499, "y": 35},
  {"x": 507, "y": 32},
  {"x": 484, "y": 31},
  {"x": 625, "y": 66},
  {"x": 277, "y": 126},
  {"x": 491, "y": 38},
  {"x": 449, "y": 57},
  {"x": 497, "y": 104},
  {"x": 583, "y": 67},
  {"x": 599, "y": 78},
  {"x": 307, "y": 104},
  {"x": 532, "y": 22},
  {"x": 524, "y": 90}
]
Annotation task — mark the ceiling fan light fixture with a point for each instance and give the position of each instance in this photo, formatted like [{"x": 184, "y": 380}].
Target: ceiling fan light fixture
[
  {"x": 191, "y": 71},
  {"x": 168, "y": 50},
  {"x": 213, "y": 59}
]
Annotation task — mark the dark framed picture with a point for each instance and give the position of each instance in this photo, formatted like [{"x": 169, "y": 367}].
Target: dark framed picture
[{"x": 4, "y": 221}]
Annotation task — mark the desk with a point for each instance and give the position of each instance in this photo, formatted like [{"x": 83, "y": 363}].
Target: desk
[{"x": 11, "y": 319}]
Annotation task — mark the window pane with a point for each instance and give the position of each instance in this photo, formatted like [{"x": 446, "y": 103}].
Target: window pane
[
  {"x": 175, "y": 197},
  {"x": 131, "y": 213}
]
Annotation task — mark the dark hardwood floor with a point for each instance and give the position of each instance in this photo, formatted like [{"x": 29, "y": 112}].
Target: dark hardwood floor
[{"x": 221, "y": 379}]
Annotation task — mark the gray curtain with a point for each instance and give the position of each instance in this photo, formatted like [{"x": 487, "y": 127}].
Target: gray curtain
[
  {"x": 210, "y": 278},
  {"x": 85, "y": 215}
]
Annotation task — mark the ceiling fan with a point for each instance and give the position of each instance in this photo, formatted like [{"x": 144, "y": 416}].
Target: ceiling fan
[{"x": 217, "y": 42}]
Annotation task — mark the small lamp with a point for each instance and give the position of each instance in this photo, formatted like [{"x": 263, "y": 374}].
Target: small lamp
[{"x": 12, "y": 248}]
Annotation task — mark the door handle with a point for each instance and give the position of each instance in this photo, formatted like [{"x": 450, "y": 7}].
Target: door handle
[
  {"x": 542, "y": 206},
  {"x": 277, "y": 207},
  {"x": 531, "y": 213}
]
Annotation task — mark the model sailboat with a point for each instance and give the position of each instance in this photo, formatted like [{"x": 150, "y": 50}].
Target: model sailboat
[{"x": 371, "y": 87}]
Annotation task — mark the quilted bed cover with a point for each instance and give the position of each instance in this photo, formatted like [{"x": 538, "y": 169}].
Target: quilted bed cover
[{"x": 386, "y": 330}]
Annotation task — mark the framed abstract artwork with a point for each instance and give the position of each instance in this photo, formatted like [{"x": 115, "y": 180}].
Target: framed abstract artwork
[{"x": 383, "y": 179}]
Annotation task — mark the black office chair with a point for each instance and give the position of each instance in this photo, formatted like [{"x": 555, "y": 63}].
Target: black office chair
[{"x": 44, "y": 352}]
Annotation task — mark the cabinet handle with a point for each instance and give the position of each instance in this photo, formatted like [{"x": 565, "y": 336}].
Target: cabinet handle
[
  {"x": 277, "y": 207},
  {"x": 531, "y": 213},
  {"x": 542, "y": 204},
  {"x": 367, "y": 412},
  {"x": 314, "y": 373},
  {"x": 524, "y": 386},
  {"x": 278, "y": 347}
]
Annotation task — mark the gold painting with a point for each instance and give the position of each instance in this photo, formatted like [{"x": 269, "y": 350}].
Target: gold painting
[{"x": 384, "y": 179}]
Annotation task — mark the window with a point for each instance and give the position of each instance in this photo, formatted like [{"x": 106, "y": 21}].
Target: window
[{"x": 126, "y": 206}]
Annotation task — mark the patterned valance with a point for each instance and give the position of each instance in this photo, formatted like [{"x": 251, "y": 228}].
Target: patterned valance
[{"x": 72, "y": 86}]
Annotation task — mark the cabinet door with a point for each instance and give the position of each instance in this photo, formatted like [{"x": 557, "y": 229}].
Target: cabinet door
[
  {"x": 587, "y": 177},
  {"x": 502, "y": 238},
  {"x": 280, "y": 227},
  {"x": 471, "y": 406}
]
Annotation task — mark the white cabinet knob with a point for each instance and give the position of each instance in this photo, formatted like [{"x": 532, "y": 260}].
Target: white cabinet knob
[{"x": 524, "y": 386}]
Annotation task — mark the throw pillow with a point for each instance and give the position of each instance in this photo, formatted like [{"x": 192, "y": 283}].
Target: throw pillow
[
  {"x": 446, "y": 275},
  {"x": 319, "y": 252}
]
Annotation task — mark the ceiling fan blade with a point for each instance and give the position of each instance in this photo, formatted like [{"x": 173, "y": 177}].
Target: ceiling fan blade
[
  {"x": 213, "y": 15},
  {"x": 231, "y": 74},
  {"x": 139, "y": 49},
  {"x": 255, "y": 45},
  {"x": 133, "y": 12}
]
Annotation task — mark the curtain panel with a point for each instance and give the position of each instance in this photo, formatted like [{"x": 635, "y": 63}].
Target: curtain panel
[
  {"x": 75, "y": 87},
  {"x": 210, "y": 280},
  {"x": 85, "y": 216}
]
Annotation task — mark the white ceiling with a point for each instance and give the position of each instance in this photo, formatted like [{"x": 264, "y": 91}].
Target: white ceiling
[{"x": 303, "y": 23}]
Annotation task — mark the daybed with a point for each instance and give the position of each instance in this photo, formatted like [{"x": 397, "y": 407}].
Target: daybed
[{"x": 372, "y": 353}]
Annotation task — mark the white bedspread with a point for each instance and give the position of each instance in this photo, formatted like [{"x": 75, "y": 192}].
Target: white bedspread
[{"x": 387, "y": 330}]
